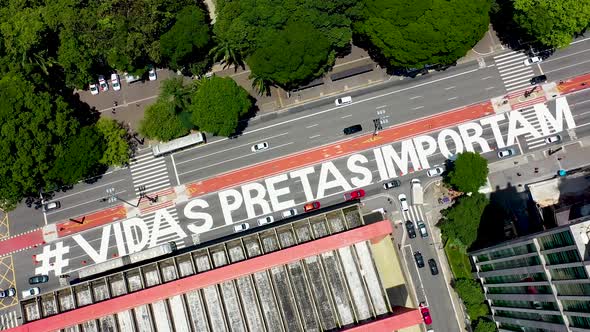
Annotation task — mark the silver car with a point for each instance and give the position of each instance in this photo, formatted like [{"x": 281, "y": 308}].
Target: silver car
[
  {"x": 259, "y": 147},
  {"x": 241, "y": 227},
  {"x": 553, "y": 139},
  {"x": 437, "y": 170},
  {"x": 31, "y": 292},
  {"x": 265, "y": 220},
  {"x": 506, "y": 153}
]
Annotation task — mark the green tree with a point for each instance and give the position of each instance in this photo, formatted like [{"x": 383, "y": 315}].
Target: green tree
[
  {"x": 553, "y": 23},
  {"x": 218, "y": 104},
  {"x": 161, "y": 122},
  {"x": 186, "y": 40},
  {"x": 117, "y": 149},
  {"x": 469, "y": 172},
  {"x": 484, "y": 325},
  {"x": 80, "y": 159},
  {"x": 469, "y": 290},
  {"x": 33, "y": 126},
  {"x": 461, "y": 221},
  {"x": 228, "y": 55},
  {"x": 412, "y": 34}
]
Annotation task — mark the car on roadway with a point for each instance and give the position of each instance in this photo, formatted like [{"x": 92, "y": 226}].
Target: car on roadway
[
  {"x": 532, "y": 60},
  {"x": 51, "y": 206},
  {"x": 241, "y": 227},
  {"x": 352, "y": 129},
  {"x": 93, "y": 89},
  {"x": 403, "y": 201},
  {"x": 259, "y": 146},
  {"x": 425, "y": 314},
  {"x": 391, "y": 184},
  {"x": 553, "y": 139},
  {"x": 506, "y": 153},
  {"x": 356, "y": 194},
  {"x": 410, "y": 229},
  {"x": 265, "y": 220},
  {"x": 435, "y": 171},
  {"x": 115, "y": 83},
  {"x": 31, "y": 292},
  {"x": 102, "y": 83},
  {"x": 7, "y": 293},
  {"x": 422, "y": 229},
  {"x": 38, "y": 279},
  {"x": 343, "y": 100},
  {"x": 290, "y": 213},
  {"x": 419, "y": 259},
  {"x": 152, "y": 73},
  {"x": 433, "y": 266},
  {"x": 538, "y": 79},
  {"x": 311, "y": 206}
]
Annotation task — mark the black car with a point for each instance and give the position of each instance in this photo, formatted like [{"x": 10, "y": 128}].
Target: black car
[
  {"x": 352, "y": 129},
  {"x": 419, "y": 259},
  {"x": 391, "y": 184},
  {"x": 538, "y": 79},
  {"x": 38, "y": 279},
  {"x": 7, "y": 293},
  {"x": 411, "y": 229},
  {"x": 433, "y": 266}
]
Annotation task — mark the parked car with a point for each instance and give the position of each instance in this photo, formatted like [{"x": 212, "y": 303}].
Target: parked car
[
  {"x": 51, "y": 206},
  {"x": 553, "y": 139},
  {"x": 538, "y": 79},
  {"x": 289, "y": 213},
  {"x": 532, "y": 60},
  {"x": 403, "y": 201},
  {"x": 433, "y": 266},
  {"x": 38, "y": 279},
  {"x": 260, "y": 146},
  {"x": 266, "y": 220},
  {"x": 31, "y": 292},
  {"x": 241, "y": 227},
  {"x": 391, "y": 184},
  {"x": 93, "y": 89},
  {"x": 356, "y": 194},
  {"x": 422, "y": 229},
  {"x": 419, "y": 259},
  {"x": 7, "y": 293},
  {"x": 343, "y": 100},
  {"x": 437, "y": 170},
  {"x": 152, "y": 73},
  {"x": 311, "y": 206},
  {"x": 506, "y": 153},
  {"x": 410, "y": 228},
  {"x": 352, "y": 129},
  {"x": 425, "y": 314},
  {"x": 102, "y": 83},
  {"x": 115, "y": 82}
]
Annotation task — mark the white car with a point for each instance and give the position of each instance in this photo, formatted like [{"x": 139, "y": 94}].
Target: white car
[
  {"x": 94, "y": 89},
  {"x": 437, "y": 170},
  {"x": 553, "y": 139},
  {"x": 241, "y": 227},
  {"x": 51, "y": 206},
  {"x": 152, "y": 73},
  {"x": 289, "y": 213},
  {"x": 403, "y": 201},
  {"x": 530, "y": 61},
  {"x": 265, "y": 220},
  {"x": 115, "y": 82},
  {"x": 102, "y": 83},
  {"x": 343, "y": 100},
  {"x": 506, "y": 153},
  {"x": 260, "y": 146},
  {"x": 31, "y": 292}
]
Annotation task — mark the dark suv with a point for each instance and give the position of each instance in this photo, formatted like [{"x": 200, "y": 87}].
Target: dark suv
[
  {"x": 538, "y": 79},
  {"x": 419, "y": 259},
  {"x": 352, "y": 129},
  {"x": 411, "y": 229},
  {"x": 433, "y": 266}
]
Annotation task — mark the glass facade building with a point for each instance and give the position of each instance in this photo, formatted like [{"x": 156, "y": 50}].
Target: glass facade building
[{"x": 539, "y": 282}]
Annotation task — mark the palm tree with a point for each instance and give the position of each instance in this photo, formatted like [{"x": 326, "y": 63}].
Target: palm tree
[
  {"x": 261, "y": 84},
  {"x": 226, "y": 52}
]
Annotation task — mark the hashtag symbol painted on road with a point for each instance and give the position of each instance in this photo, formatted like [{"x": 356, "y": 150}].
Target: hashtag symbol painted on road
[{"x": 53, "y": 259}]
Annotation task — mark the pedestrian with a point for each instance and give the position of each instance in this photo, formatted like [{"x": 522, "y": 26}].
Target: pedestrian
[
  {"x": 113, "y": 111},
  {"x": 536, "y": 169},
  {"x": 559, "y": 158},
  {"x": 519, "y": 174},
  {"x": 115, "y": 103}
]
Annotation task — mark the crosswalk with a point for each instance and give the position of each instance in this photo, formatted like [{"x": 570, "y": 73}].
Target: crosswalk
[
  {"x": 513, "y": 72},
  {"x": 531, "y": 142},
  {"x": 8, "y": 320},
  {"x": 149, "y": 173},
  {"x": 414, "y": 214},
  {"x": 164, "y": 225}
]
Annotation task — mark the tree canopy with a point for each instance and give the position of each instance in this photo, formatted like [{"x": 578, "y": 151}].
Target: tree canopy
[
  {"x": 469, "y": 172},
  {"x": 161, "y": 122},
  {"x": 472, "y": 295},
  {"x": 117, "y": 150},
  {"x": 484, "y": 325},
  {"x": 553, "y": 23},
  {"x": 218, "y": 104},
  {"x": 461, "y": 221},
  {"x": 412, "y": 34}
]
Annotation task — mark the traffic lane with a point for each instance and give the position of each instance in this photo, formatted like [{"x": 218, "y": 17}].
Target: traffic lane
[
  {"x": 568, "y": 62},
  {"x": 23, "y": 219}
]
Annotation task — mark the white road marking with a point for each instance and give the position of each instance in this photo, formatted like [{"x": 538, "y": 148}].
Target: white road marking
[
  {"x": 449, "y": 88},
  {"x": 85, "y": 190},
  {"x": 486, "y": 78},
  {"x": 313, "y": 125},
  {"x": 346, "y": 116},
  {"x": 417, "y": 108},
  {"x": 175, "y": 170},
  {"x": 452, "y": 98},
  {"x": 415, "y": 97},
  {"x": 572, "y": 65},
  {"x": 314, "y": 136},
  {"x": 83, "y": 203},
  {"x": 489, "y": 88}
]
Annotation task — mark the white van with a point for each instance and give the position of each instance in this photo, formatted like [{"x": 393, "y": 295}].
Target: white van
[
  {"x": 265, "y": 220},
  {"x": 289, "y": 213}
]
